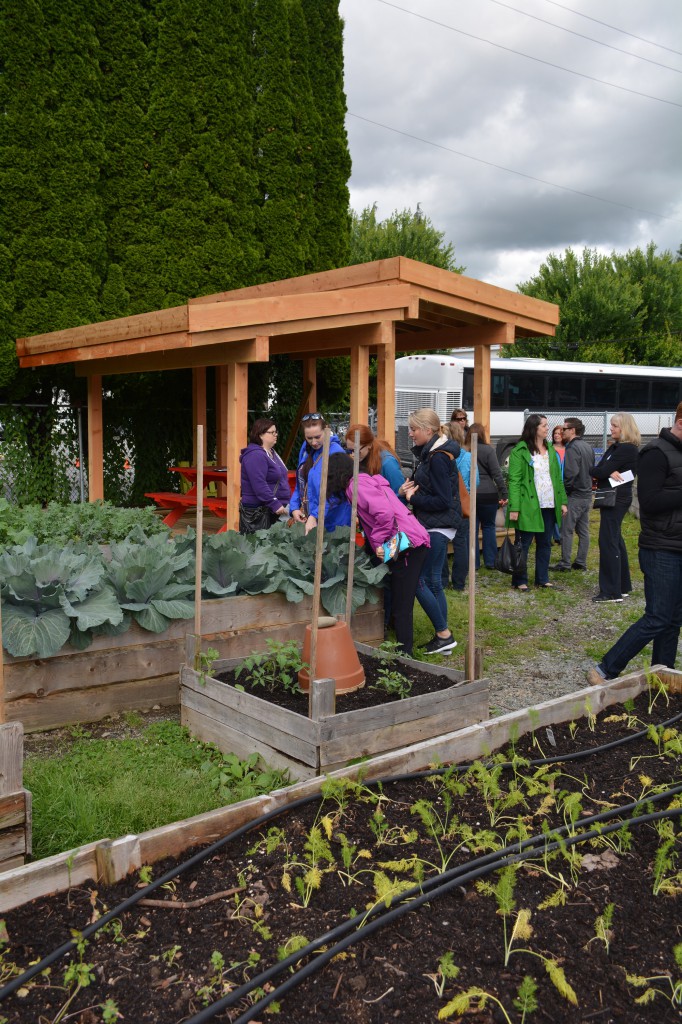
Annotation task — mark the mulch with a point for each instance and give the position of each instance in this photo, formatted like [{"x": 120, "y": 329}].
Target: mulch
[{"x": 156, "y": 964}]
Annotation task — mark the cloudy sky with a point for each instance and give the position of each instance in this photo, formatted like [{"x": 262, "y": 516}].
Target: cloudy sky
[{"x": 521, "y": 127}]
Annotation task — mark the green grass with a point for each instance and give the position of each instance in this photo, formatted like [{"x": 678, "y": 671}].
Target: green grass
[
  {"x": 511, "y": 627},
  {"x": 108, "y": 787}
]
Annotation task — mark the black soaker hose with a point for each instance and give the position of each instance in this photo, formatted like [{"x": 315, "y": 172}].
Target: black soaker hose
[
  {"x": 432, "y": 888},
  {"x": 198, "y": 858}
]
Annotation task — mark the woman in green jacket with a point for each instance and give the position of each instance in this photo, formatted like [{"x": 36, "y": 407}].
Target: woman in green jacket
[{"x": 537, "y": 499}]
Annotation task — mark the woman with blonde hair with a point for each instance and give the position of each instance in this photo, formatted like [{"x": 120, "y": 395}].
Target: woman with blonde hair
[
  {"x": 614, "y": 569},
  {"x": 376, "y": 457},
  {"x": 433, "y": 493}
]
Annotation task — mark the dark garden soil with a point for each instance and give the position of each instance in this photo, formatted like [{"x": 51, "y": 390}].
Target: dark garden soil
[
  {"x": 593, "y": 913},
  {"x": 368, "y": 696}
]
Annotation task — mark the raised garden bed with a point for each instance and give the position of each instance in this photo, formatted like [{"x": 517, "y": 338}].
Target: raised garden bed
[
  {"x": 564, "y": 920},
  {"x": 363, "y": 725},
  {"x": 138, "y": 670}
]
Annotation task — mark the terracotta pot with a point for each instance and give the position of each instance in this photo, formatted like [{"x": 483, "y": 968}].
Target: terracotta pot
[{"x": 336, "y": 658}]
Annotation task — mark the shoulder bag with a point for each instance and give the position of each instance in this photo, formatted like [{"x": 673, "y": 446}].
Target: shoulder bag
[{"x": 605, "y": 499}]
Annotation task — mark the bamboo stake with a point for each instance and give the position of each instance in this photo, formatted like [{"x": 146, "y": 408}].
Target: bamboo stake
[
  {"x": 318, "y": 563},
  {"x": 473, "y": 544},
  {"x": 351, "y": 543},
  {"x": 200, "y": 535}
]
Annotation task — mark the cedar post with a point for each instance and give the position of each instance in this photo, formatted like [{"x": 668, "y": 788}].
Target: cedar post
[
  {"x": 236, "y": 403},
  {"x": 95, "y": 440},
  {"x": 386, "y": 381}
]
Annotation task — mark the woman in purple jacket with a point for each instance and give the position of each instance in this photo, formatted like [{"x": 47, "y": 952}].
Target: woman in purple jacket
[
  {"x": 265, "y": 484},
  {"x": 381, "y": 516}
]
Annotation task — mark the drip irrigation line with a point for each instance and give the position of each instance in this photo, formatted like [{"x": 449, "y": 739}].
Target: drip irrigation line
[
  {"x": 433, "y": 887},
  {"x": 313, "y": 966},
  {"x": 198, "y": 858}
]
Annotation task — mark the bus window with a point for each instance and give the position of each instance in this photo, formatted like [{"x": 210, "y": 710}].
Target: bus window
[
  {"x": 565, "y": 391},
  {"x": 601, "y": 393},
  {"x": 498, "y": 389},
  {"x": 634, "y": 394},
  {"x": 667, "y": 394},
  {"x": 526, "y": 390}
]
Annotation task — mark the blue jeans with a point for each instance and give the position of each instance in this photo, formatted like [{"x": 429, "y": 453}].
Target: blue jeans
[
  {"x": 430, "y": 587},
  {"x": 460, "y": 555},
  {"x": 662, "y": 617},
  {"x": 486, "y": 515},
  {"x": 543, "y": 550}
]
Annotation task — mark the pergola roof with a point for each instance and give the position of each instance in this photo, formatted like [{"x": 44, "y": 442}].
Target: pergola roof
[{"x": 316, "y": 315}]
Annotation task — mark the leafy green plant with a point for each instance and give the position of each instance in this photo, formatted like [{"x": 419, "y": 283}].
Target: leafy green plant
[
  {"x": 673, "y": 995},
  {"x": 393, "y": 683},
  {"x": 275, "y": 668},
  {"x": 205, "y": 661},
  {"x": 447, "y": 970}
]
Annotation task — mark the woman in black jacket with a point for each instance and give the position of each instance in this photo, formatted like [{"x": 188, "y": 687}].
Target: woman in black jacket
[
  {"x": 614, "y": 569},
  {"x": 433, "y": 493}
]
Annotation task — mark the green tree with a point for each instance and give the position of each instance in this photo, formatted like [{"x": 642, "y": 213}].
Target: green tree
[
  {"x": 330, "y": 151},
  {"x": 618, "y": 308},
  {"x": 404, "y": 233}
]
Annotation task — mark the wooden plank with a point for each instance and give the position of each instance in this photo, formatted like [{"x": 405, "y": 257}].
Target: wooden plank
[
  {"x": 252, "y": 733},
  {"x": 304, "y": 306},
  {"x": 11, "y": 757},
  {"x": 141, "y": 325},
  {"x": 93, "y": 670},
  {"x": 13, "y": 810},
  {"x": 12, "y": 844},
  {"x": 359, "y": 384},
  {"x": 234, "y": 741},
  {"x": 46, "y": 876},
  {"x": 162, "y": 355},
  {"x": 480, "y": 305},
  {"x": 94, "y": 703},
  {"x": 358, "y": 275}
]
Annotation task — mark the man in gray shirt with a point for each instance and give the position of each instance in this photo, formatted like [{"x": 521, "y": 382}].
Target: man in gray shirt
[{"x": 578, "y": 467}]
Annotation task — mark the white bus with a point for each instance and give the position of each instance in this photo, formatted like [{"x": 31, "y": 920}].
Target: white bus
[{"x": 519, "y": 386}]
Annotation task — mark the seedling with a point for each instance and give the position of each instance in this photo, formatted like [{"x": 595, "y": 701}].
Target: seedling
[
  {"x": 447, "y": 969},
  {"x": 674, "y": 996},
  {"x": 204, "y": 663},
  {"x": 277, "y": 667},
  {"x": 393, "y": 683}
]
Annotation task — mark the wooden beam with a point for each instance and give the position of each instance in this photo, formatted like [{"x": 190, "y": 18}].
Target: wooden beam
[
  {"x": 236, "y": 428},
  {"x": 464, "y": 336},
  {"x": 143, "y": 325},
  {"x": 386, "y": 383},
  {"x": 540, "y": 317},
  {"x": 359, "y": 275},
  {"x": 221, "y": 415},
  {"x": 310, "y": 382},
  {"x": 199, "y": 409},
  {"x": 359, "y": 384},
  {"x": 253, "y": 350},
  {"x": 276, "y": 309},
  {"x": 95, "y": 440},
  {"x": 482, "y": 386}
]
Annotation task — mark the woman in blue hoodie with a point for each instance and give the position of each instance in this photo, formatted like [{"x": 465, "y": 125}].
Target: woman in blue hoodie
[{"x": 305, "y": 499}]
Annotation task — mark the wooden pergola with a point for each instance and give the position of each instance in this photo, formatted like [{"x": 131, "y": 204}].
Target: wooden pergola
[{"x": 381, "y": 309}]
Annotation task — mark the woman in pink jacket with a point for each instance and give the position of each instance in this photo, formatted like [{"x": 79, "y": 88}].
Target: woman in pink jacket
[{"x": 382, "y": 515}]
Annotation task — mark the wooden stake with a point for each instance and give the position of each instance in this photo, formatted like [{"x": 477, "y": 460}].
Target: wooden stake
[
  {"x": 200, "y": 534},
  {"x": 318, "y": 562},
  {"x": 473, "y": 544},
  {"x": 353, "y": 513}
]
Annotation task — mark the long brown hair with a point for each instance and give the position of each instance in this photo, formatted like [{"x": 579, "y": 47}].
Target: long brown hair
[
  {"x": 372, "y": 460},
  {"x": 476, "y": 428}
]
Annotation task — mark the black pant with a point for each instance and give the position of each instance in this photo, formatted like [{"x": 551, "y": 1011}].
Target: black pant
[
  {"x": 614, "y": 568},
  {"x": 405, "y": 572}
]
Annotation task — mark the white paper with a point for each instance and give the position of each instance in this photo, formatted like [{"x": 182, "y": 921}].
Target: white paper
[{"x": 626, "y": 478}]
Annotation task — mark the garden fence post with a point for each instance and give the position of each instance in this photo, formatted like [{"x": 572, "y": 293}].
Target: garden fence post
[{"x": 2, "y": 672}]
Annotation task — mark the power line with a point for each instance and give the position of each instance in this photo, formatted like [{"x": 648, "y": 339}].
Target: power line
[
  {"x": 580, "y": 35},
  {"x": 625, "y": 32},
  {"x": 528, "y": 56},
  {"x": 511, "y": 170}
]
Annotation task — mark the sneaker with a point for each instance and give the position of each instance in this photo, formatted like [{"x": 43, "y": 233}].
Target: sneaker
[
  {"x": 603, "y": 599},
  {"x": 440, "y": 644},
  {"x": 560, "y": 568},
  {"x": 594, "y": 676},
  {"x": 579, "y": 567},
  {"x": 627, "y": 594}
]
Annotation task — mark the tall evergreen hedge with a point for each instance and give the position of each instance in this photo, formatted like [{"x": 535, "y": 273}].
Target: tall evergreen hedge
[{"x": 152, "y": 150}]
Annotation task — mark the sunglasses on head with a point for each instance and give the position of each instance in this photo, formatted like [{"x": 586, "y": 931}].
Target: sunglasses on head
[{"x": 311, "y": 416}]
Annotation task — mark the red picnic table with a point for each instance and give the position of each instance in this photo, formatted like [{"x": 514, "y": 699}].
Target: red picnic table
[{"x": 177, "y": 503}]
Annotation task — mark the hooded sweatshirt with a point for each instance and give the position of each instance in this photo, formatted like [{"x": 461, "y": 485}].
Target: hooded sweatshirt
[{"x": 264, "y": 478}]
